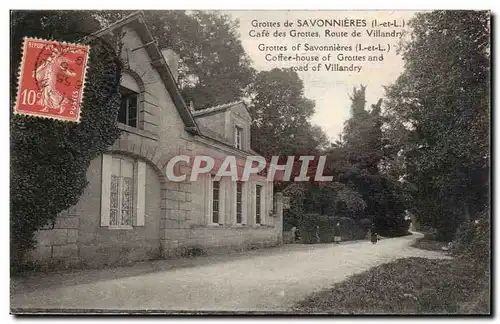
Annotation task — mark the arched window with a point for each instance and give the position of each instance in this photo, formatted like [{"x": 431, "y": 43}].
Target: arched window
[{"x": 130, "y": 101}]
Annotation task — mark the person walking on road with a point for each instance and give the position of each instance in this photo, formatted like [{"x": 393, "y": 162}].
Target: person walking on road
[
  {"x": 336, "y": 237},
  {"x": 374, "y": 234}
]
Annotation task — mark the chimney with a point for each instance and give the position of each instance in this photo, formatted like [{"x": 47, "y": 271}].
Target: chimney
[{"x": 172, "y": 59}]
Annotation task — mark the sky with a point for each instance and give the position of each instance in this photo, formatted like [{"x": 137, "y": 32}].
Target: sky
[{"x": 329, "y": 90}]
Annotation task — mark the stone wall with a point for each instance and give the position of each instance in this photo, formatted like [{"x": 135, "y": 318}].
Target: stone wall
[
  {"x": 100, "y": 245},
  {"x": 58, "y": 245},
  {"x": 219, "y": 239},
  {"x": 78, "y": 238}
]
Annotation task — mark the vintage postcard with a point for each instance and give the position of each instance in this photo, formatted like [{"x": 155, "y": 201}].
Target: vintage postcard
[{"x": 250, "y": 162}]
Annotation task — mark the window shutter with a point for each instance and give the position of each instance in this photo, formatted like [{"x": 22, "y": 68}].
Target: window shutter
[
  {"x": 222, "y": 201},
  {"x": 107, "y": 161},
  {"x": 263, "y": 204},
  {"x": 140, "y": 190},
  {"x": 235, "y": 136},
  {"x": 269, "y": 205},
  {"x": 244, "y": 203},
  {"x": 208, "y": 198}
]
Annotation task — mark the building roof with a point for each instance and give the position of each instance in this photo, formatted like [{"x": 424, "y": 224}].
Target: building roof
[
  {"x": 218, "y": 108},
  {"x": 138, "y": 22}
]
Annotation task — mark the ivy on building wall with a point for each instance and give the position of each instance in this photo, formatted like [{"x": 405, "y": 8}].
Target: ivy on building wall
[{"x": 49, "y": 159}]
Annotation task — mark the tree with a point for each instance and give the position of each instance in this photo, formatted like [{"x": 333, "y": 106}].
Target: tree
[
  {"x": 214, "y": 68},
  {"x": 362, "y": 133},
  {"x": 363, "y": 149},
  {"x": 49, "y": 158},
  {"x": 442, "y": 101},
  {"x": 335, "y": 199},
  {"x": 281, "y": 127},
  {"x": 320, "y": 139},
  {"x": 281, "y": 114}
]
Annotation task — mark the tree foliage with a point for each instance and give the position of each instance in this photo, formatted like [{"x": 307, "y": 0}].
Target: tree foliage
[
  {"x": 360, "y": 190},
  {"x": 281, "y": 115},
  {"x": 363, "y": 148},
  {"x": 472, "y": 242},
  {"x": 335, "y": 199},
  {"x": 441, "y": 104},
  {"x": 49, "y": 158},
  {"x": 281, "y": 127},
  {"x": 214, "y": 68}
]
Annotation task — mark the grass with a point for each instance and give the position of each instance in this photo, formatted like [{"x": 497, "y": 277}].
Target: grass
[
  {"x": 427, "y": 244},
  {"x": 405, "y": 286}
]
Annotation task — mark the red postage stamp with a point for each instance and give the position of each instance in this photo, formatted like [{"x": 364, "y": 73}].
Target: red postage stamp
[{"x": 51, "y": 79}]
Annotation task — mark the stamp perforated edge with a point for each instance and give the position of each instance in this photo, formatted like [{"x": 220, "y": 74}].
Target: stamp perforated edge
[{"x": 20, "y": 74}]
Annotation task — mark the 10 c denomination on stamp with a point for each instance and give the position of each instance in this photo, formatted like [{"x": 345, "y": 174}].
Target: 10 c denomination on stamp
[{"x": 51, "y": 79}]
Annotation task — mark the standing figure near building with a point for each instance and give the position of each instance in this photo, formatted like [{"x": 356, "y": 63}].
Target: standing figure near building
[
  {"x": 373, "y": 234},
  {"x": 336, "y": 237}
]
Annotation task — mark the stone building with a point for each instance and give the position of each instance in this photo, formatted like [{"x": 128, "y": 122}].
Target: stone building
[{"x": 130, "y": 211}]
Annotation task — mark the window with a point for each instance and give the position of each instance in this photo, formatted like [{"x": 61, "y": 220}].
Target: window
[
  {"x": 215, "y": 201},
  {"x": 237, "y": 137},
  {"x": 122, "y": 192},
  {"x": 258, "y": 203},
  {"x": 239, "y": 204},
  {"x": 129, "y": 111},
  {"x": 121, "y": 195}
]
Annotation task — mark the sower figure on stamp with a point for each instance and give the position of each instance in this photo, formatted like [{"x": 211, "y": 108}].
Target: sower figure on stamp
[
  {"x": 51, "y": 79},
  {"x": 47, "y": 74}
]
